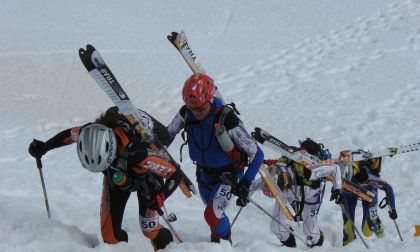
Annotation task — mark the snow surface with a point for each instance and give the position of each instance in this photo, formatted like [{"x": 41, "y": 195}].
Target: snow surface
[{"x": 342, "y": 72}]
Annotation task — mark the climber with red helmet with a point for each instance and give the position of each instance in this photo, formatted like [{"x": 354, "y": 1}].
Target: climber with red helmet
[{"x": 221, "y": 149}]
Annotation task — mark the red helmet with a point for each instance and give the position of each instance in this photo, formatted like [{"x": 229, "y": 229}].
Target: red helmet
[{"x": 198, "y": 90}]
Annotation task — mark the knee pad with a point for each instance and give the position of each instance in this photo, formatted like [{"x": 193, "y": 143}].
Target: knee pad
[{"x": 163, "y": 238}]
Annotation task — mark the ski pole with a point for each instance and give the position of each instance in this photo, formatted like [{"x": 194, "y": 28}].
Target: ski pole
[
  {"x": 289, "y": 229},
  {"x": 323, "y": 192},
  {"x": 236, "y": 217},
  {"x": 39, "y": 165},
  {"x": 346, "y": 213},
  {"x": 178, "y": 238},
  {"x": 388, "y": 192},
  {"x": 227, "y": 181},
  {"x": 388, "y": 200},
  {"x": 171, "y": 216},
  {"x": 390, "y": 210},
  {"x": 256, "y": 185},
  {"x": 398, "y": 230}
]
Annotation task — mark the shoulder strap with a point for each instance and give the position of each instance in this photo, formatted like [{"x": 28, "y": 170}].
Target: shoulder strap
[{"x": 227, "y": 117}]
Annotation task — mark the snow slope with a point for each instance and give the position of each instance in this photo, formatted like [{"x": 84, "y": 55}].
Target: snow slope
[{"x": 342, "y": 72}]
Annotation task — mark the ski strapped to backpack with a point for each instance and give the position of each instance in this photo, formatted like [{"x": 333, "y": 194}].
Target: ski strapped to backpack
[
  {"x": 180, "y": 42},
  {"x": 306, "y": 159},
  {"x": 391, "y": 151},
  {"x": 299, "y": 156},
  {"x": 100, "y": 72}
]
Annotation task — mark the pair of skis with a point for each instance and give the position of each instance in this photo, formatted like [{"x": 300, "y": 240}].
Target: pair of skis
[
  {"x": 387, "y": 152},
  {"x": 306, "y": 159},
  {"x": 100, "y": 72}
]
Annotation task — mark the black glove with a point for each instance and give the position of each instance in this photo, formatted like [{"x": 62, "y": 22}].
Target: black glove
[
  {"x": 242, "y": 191},
  {"x": 393, "y": 214},
  {"x": 337, "y": 196},
  {"x": 37, "y": 148}
]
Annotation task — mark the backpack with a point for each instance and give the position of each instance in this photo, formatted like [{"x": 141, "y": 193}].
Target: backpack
[{"x": 225, "y": 119}]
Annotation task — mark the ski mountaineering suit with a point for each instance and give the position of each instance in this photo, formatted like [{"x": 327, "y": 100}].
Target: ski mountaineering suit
[
  {"x": 366, "y": 174},
  {"x": 212, "y": 163},
  {"x": 142, "y": 171},
  {"x": 303, "y": 192}
]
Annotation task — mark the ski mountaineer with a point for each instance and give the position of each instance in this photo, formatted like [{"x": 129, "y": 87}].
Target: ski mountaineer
[
  {"x": 302, "y": 188},
  {"x": 366, "y": 174},
  {"x": 202, "y": 117},
  {"x": 112, "y": 146}
]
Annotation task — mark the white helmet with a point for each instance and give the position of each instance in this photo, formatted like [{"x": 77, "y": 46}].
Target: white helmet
[{"x": 97, "y": 147}]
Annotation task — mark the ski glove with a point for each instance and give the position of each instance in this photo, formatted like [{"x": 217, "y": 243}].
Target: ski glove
[
  {"x": 37, "y": 148},
  {"x": 156, "y": 203},
  {"x": 242, "y": 191},
  {"x": 393, "y": 214},
  {"x": 336, "y": 196}
]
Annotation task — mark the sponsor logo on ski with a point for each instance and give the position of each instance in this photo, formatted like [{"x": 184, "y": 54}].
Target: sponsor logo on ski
[
  {"x": 190, "y": 52},
  {"x": 279, "y": 144},
  {"x": 171, "y": 184},
  {"x": 157, "y": 167},
  {"x": 118, "y": 90}
]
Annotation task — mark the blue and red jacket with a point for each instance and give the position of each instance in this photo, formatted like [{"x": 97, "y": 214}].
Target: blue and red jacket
[{"x": 204, "y": 148}]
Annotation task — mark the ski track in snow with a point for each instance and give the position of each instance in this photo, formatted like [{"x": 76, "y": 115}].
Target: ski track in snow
[
  {"x": 334, "y": 62},
  {"x": 337, "y": 57}
]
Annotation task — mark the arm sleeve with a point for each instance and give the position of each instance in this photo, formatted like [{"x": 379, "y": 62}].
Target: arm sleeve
[
  {"x": 176, "y": 125},
  {"x": 244, "y": 141},
  {"x": 63, "y": 138},
  {"x": 387, "y": 188},
  {"x": 332, "y": 171},
  {"x": 161, "y": 132}
]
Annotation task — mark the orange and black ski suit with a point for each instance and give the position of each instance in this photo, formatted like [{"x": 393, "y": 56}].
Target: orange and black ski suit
[{"x": 143, "y": 171}]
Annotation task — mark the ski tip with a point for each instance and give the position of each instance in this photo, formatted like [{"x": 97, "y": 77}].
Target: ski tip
[
  {"x": 82, "y": 51},
  {"x": 258, "y": 136},
  {"x": 90, "y": 47},
  {"x": 172, "y": 38},
  {"x": 85, "y": 55}
]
